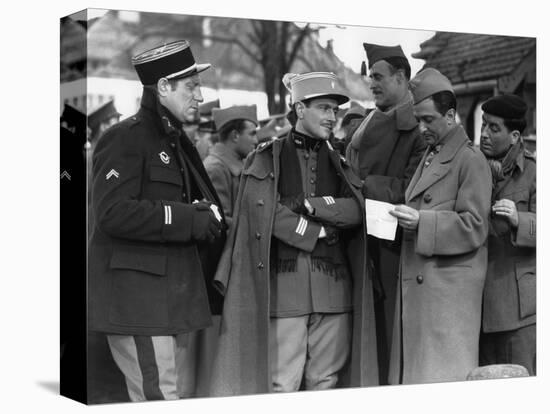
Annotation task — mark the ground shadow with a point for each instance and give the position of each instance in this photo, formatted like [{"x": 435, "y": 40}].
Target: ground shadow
[{"x": 52, "y": 386}]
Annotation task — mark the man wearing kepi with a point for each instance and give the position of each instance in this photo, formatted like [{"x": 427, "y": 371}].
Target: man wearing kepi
[
  {"x": 294, "y": 267},
  {"x": 384, "y": 152},
  {"x": 509, "y": 300},
  {"x": 444, "y": 254},
  {"x": 236, "y": 127},
  {"x": 158, "y": 230}
]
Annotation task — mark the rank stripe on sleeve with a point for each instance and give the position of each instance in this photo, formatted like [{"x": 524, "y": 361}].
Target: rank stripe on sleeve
[
  {"x": 302, "y": 226},
  {"x": 167, "y": 215}
]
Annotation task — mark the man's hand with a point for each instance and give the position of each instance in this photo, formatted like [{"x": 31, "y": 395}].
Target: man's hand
[
  {"x": 407, "y": 217},
  {"x": 507, "y": 208}
]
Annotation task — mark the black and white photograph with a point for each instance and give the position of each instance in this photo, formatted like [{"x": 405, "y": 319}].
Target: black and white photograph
[{"x": 292, "y": 209}]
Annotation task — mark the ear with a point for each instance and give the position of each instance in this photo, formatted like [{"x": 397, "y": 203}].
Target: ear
[
  {"x": 515, "y": 135},
  {"x": 400, "y": 76},
  {"x": 163, "y": 87},
  {"x": 234, "y": 136},
  {"x": 450, "y": 116},
  {"x": 300, "y": 109}
]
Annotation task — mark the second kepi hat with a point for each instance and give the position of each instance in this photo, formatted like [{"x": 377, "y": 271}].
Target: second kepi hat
[
  {"x": 314, "y": 85},
  {"x": 223, "y": 116},
  {"x": 171, "y": 61},
  {"x": 428, "y": 82}
]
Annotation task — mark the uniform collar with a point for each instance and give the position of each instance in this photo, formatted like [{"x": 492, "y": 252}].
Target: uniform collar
[
  {"x": 305, "y": 142},
  {"x": 228, "y": 157}
]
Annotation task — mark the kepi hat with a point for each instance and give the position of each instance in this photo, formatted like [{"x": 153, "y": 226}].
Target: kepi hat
[
  {"x": 314, "y": 85},
  {"x": 171, "y": 61}
]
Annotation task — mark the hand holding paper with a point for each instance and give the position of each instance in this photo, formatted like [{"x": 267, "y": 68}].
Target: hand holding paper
[{"x": 380, "y": 223}]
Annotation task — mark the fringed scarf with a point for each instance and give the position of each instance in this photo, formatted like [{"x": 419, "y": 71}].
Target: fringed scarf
[{"x": 325, "y": 258}]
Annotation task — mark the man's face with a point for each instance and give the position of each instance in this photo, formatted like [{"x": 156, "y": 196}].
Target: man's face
[
  {"x": 183, "y": 100},
  {"x": 318, "y": 119},
  {"x": 387, "y": 88},
  {"x": 433, "y": 126},
  {"x": 246, "y": 140},
  {"x": 496, "y": 139}
]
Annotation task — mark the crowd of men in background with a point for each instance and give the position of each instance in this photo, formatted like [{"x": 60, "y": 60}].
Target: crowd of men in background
[{"x": 231, "y": 256}]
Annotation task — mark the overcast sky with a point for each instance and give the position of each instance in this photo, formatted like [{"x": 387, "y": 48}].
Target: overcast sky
[{"x": 348, "y": 41}]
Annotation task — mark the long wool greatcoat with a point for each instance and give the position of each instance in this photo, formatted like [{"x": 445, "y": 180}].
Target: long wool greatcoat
[
  {"x": 443, "y": 266},
  {"x": 242, "y": 364}
]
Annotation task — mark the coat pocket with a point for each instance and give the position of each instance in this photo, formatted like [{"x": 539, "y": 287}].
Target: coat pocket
[
  {"x": 165, "y": 175},
  {"x": 140, "y": 289},
  {"x": 526, "y": 277}
]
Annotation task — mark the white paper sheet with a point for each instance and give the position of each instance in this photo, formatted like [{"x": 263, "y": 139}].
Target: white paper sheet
[{"x": 379, "y": 221}]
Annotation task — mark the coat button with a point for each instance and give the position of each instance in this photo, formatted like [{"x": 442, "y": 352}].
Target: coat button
[
  {"x": 260, "y": 202},
  {"x": 271, "y": 175},
  {"x": 306, "y": 156},
  {"x": 313, "y": 169},
  {"x": 258, "y": 236},
  {"x": 419, "y": 279},
  {"x": 427, "y": 198},
  {"x": 260, "y": 265},
  {"x": 312, "y": 194},
  {"x": 173, "y": 145}
]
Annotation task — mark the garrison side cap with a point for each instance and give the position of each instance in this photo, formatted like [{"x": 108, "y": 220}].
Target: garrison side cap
[
  {"x": 171, "y": 61},
  {"x": 223, "y": 116},
  {"x": 205, "y": 109},
  {"x": 73, "y": 116},
  {"x": 428, "y": 82},
  {"x": 314, "y": 85},
  {"x": 379, "y": 52},
  {"x": 102, "y": 113}
]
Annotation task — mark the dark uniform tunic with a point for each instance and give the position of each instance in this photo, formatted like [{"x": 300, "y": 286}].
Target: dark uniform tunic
[{"x": 146, "y": 272}]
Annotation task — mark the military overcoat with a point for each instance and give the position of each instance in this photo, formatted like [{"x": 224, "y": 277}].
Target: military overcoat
[
  {"x": 443, "y": 266},
  {"x": 242, "y": 364}
]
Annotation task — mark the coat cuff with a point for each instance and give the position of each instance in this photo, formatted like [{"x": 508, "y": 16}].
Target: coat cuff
[
  {"x": 177, "y": 221},
  {"x": 426, "y": 232},
  {"x": 526, "y": 233}
]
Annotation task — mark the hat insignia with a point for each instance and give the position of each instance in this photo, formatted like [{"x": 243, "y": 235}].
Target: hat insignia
[
  {"x": 332, "y": 84},
  {"x": 164, "y": 157}
]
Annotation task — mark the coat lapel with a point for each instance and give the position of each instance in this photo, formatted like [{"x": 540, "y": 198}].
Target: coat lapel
[{"x": 424, "y": 178}]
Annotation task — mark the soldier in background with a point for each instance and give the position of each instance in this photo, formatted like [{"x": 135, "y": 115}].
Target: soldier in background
[
  {"x": 236, "y": 128},
  {"x": 384, "y": 152},
  {"x": 509, "y": 300}
]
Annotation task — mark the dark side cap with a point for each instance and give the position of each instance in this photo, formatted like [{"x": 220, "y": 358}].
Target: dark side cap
[
  {"x": 73, "y": 116},
  {"x": 171, "y": 61},
  {"x": 103, "y": 113},
  {"x": 506, "y": 106},
  {"x": 379, "y": 52}
]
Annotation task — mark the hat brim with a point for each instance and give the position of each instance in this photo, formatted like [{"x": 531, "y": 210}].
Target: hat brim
[
  {"x": 199, "y": 67},
  {"x": 341, "y": 99}
]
